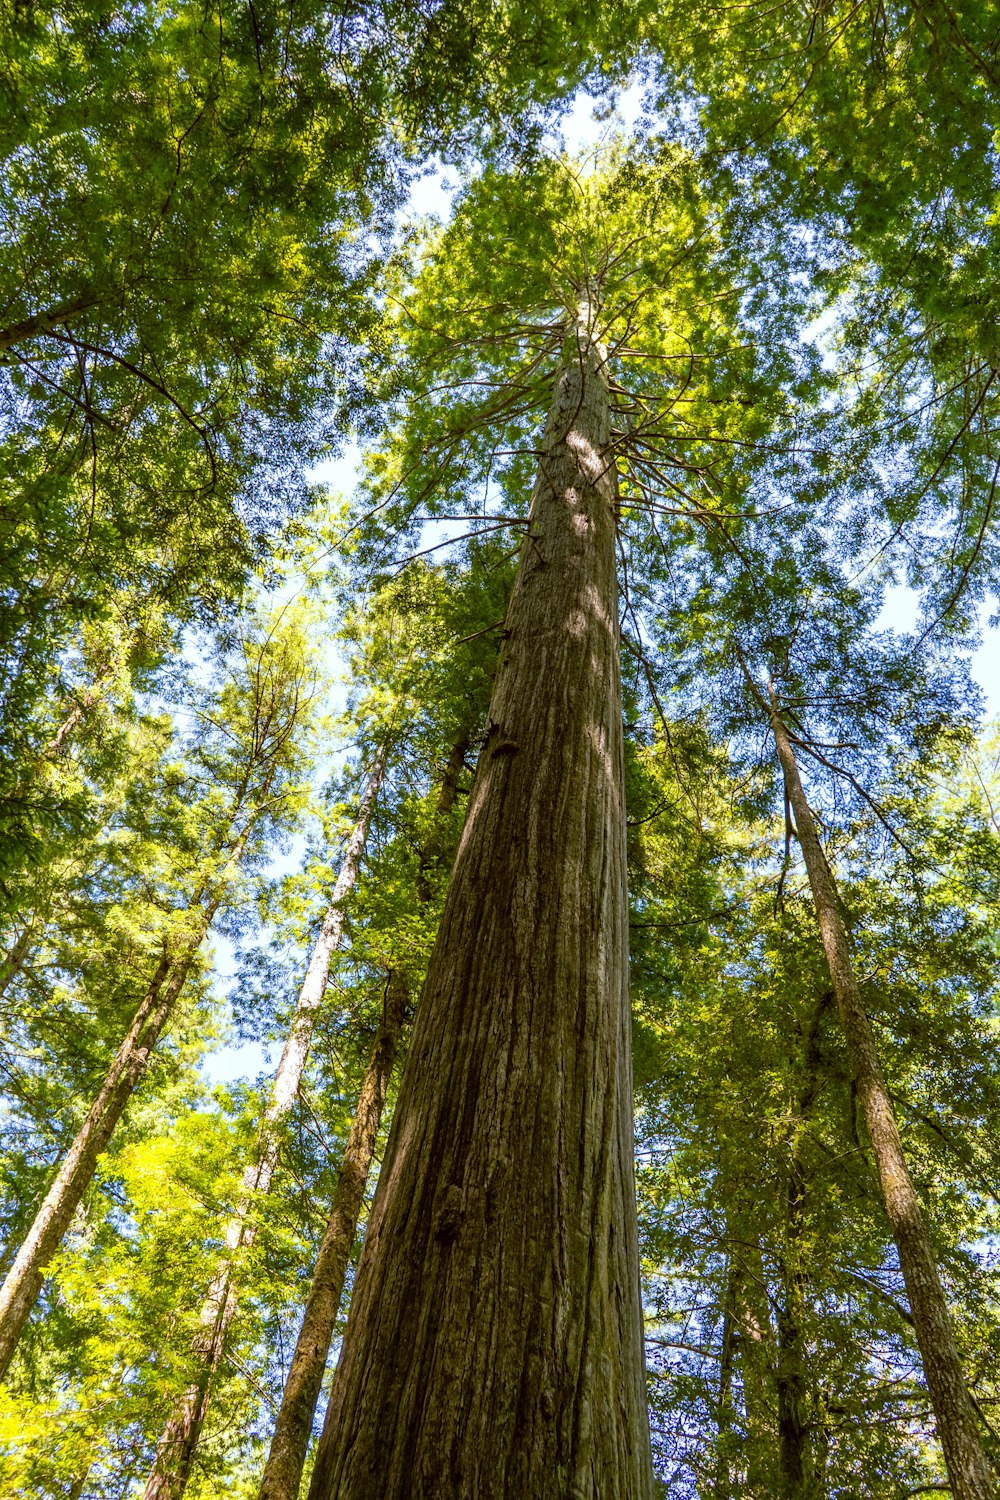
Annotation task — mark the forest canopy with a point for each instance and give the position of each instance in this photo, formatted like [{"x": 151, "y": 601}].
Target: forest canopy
[{"x": 499, "y": 805}]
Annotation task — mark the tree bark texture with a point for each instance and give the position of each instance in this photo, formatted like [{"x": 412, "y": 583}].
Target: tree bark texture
[
  {"x": 182, "y": 1431},
  {"x": 293, "y": 1427},
  {"x": 24, "y": 1279},
  {"x": 494, "y": 1343},
  {"x": 958, "y": 1428}
]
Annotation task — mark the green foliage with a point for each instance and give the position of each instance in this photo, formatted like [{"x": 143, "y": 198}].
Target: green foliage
[{"x": 202, "y": 291}]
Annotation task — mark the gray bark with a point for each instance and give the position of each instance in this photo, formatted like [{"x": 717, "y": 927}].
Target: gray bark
[
  {"x": 10, "y": 965},
  {"x": 494, "y": 1343},
  {"x": 182, "y": 1431},
  {"x": 24, "y": 1279},
  {"x": 957, "y": 1425}
]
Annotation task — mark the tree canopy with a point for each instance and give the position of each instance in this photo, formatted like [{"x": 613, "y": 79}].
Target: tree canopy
[{"x": 571, "y": 816}]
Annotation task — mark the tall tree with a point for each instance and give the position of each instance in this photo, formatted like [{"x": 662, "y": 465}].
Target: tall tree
[
  {"x": 260, "y": 750},
  {"x": 183, "y": 1428},
  {"x": 495, "y": 1260},
  {"x": 604, "y": 259},
  {"x": 290, "y": 1440},
  {"x": 958, "y": 1425}
]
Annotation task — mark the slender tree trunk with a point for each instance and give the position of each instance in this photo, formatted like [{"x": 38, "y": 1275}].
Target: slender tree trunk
[
  {"x": 10, "y": 965},
  {"x": 724, "y": 1406},
  {"x": 24, "y": 1279},
  {"x": 79, "y": 1483},
  {"x": 433, "y": 855},
  {"x": 44, "y": 322},
  {"x": 290, "y": 1441},
  {"x": 958, "y": 1429},
  {"x": 790, "y": 1375},
  {"x": 494, "y": 1343},
  {"x": 178, "y": 1443},
  {"x": 293, "y": 1428},
  {"x": 792, "y": 1359},
  {"x": 83, "y": 705}
]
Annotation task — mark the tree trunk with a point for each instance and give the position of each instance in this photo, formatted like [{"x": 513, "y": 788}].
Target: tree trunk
[
  {"x": 437, "y": 849},
  {"x": 83, "y": 705},
  {"x": 958, "y": 1429},
  {"x": 10, "y": 965},
  {"x": 290, "y": 1441},
  {"x": 24, "y": 1279},
  {"x": 44, "y": 322},
  {"x": 792, "y": 1356},
  {"x": 722, "y": 1488},
  {"x": 494, "y": 1344},
  {"x": 79, "y": 1484},
  {"x": 179, "y": 1440},
  {"x": 293, "y": 1428}
]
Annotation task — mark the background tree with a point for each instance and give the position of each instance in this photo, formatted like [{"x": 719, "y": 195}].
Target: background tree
[{"x": 252, "y": 763}]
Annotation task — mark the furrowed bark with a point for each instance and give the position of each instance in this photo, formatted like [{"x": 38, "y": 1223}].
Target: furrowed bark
[
  {"x": 25, "y": 1277},
  {"x": 293, "y": 1428},
  {"x": 494, "y": 1343},
  {"x": 178, "y": 1443},
  {"x": 957, "y": 1425}
]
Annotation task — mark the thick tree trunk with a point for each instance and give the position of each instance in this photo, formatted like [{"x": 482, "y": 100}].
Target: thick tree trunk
[
  {"x": 958, "y": 1429},
  {"x": 293, "y": 1428},
  {"x": 175, "y": 1452},
  {"x": 494, "y": 1344},
  {"x": 24, "y": 1279}
]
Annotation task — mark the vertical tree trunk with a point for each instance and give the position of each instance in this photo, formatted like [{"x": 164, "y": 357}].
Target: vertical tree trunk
[
  {"x": 293, "y": 1428},
  {"x": 175, "y": 1452},
  {"x": 494, "y": 1344},
  {"x": 79, "y": 1484},
  {"x": 290, "y": 1440},
  {"x": 797, "y": 1469},
  {"x": 724, "y": 1406},
  {"x": 958, "y": 1429},
  {"x": 439, "y": 848},
  {"x": 24, "y": 1279},
  {"x": 10, "y": 964}
]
